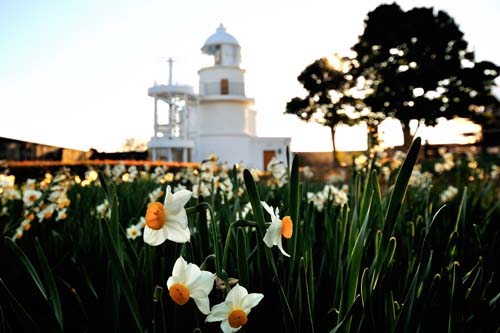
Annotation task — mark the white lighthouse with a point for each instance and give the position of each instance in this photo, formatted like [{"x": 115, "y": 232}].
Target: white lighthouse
[{"x": 221, "y": 120}]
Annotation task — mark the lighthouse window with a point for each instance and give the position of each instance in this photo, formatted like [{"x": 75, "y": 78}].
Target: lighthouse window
[
  {"x": 224, "y": 86},
  {"x": 217, "y": 55}
]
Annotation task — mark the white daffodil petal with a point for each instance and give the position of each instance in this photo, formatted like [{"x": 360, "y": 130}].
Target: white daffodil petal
[
  {"x": 269, "y": 238},
  {"x": 171, "y": 280},
  {"x": 267, "y": 208},
  {"x": 154, "y": 237},
  {"x": 236, "y": 294},
  {"x": 168, "y": 191},
  {"x": 202, "y": 303},
  {"x": 179, "y": 270},
  {"x": 280, "y": 246},
  {"x": 175, "y": 202},
  {"x": 176, "y": 233},
  {"x": 219, "y": 312},
  {"x": 273, "y": 233},
  {"x": 203, "y": 285},
  {"x": 251, "y": 300},
  {"x": 192, "y": 274},
  {"x": 226, "y": 328},
  {"x": 179, "y": 218}
]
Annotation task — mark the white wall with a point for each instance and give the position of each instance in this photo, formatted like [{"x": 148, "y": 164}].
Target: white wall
[
  {"x": 230, "y": 148},
  {"x": 228, "y": 118},
  {"x": 239, "y": 148},
  {"x": 211, "y": 74},
  {"x": 251, "y": 122}
]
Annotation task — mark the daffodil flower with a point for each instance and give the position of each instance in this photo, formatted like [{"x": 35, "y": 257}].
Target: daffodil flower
[
  {"x": 133, "y": 232},
  {"x": 30, "y": 196},
  {"x": 168, "y": 220},
  {"x": 233, "y": 312},
  {"x": 277, "y": 228},
  {"x": 188, "y": 281}
]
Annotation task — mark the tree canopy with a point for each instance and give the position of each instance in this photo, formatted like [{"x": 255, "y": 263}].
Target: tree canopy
[
  {"x": 419, "y": 66},
  {"x": 412, "y": 64},
  {"x": 329, "y": 99}
]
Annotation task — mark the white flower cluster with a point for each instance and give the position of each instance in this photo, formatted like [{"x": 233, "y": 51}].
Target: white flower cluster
[
  {"x": 386, "y": 172},
  {"x": 103, "y": 210},
  {"x": 447, "y": 164},
  {"x": 43, "y": 201},
  {"x": 120, "y": 173},
  {"x": 131, "y": 174},
  {"x": 212, "y": 176},
  {"x": 336, "y": 178},
  {"x": 397, "y": 159},
  {"x": 91, "y": 176},
  {"x": 160, "y": 175},
  {"x": 448, "y": 194},
  {"x": 278, "y": 172},
  {"x": 378, "y": 152},
  {"x": 244, "y": 211},
  {"x": 329, "y": 192},
  {"x": 420, "y": 179},
  {"x": 471, "y": 161},
  {"x": 495, "y": 171},
  {"x": 156, "y": 194},
  {"x": 187, "y": 175},
  {"x": 8, "y": 189},
  {"x": 360, "y": 162},
  {"x": 307, "y": 172},
  {"x": 118, "y": 170}
]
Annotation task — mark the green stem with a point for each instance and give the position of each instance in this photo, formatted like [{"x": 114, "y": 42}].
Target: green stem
[
  {"x": 237, "y": 223},
  {"x": 215, "y": 241}
]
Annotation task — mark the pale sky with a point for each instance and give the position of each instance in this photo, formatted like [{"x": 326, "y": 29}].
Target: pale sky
[{"x": 76, "y": 73}]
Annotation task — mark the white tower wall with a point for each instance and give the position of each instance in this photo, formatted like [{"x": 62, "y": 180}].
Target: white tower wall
[
  {"x": 211, "y": 81},
  {"x": 224, "y": 117},
  {"x": 210, "y": 74}
]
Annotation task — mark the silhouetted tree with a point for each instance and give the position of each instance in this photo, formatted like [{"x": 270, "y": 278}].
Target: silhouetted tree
[
  {"x": 417, "y": 65},
  {"x": 329, "y": 100}
]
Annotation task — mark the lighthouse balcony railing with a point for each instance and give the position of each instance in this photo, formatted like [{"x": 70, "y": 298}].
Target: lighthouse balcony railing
[
  {"x": 216, "y": 88},
  {"x": 170, "y": 131}
]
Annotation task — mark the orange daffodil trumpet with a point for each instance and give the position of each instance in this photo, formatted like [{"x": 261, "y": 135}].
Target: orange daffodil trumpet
[
  {"x": 278, "y": 228},
  {"x": 188, "y": 281},
  {"x": 233, "y": 312},
  {"x": 168, "y": 220}
]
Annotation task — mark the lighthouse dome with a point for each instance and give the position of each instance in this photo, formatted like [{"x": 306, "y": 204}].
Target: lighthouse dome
[{"x": 220, "y": 37}]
